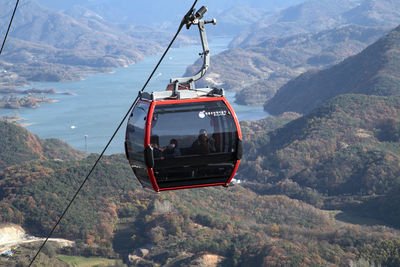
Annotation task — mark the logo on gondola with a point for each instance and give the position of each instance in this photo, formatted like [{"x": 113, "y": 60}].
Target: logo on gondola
[
  {"x": 202, "y": 114},
  {"x": 216, "y": 113}
]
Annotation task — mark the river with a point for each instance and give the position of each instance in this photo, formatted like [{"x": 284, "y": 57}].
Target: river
[{"x": 87, "y": 119}]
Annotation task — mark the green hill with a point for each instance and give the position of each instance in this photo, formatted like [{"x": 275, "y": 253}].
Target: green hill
[
  {"x": 374, "y": 71},
  {"x": 346, "y": 150},
  {"x": 17, "y": 145}
]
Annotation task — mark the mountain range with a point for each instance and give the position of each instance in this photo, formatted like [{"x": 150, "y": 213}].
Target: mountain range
[
  {"x": 314, "y": 16},
  {"x": 259, "y": 71},
  {"x": 232, "y": 15},
  {"x": 46, "y": 45},
  {"x": 311, "y": 16},
  {"x": 265, "y": 61},
  {"x": 374, "y": 71}
]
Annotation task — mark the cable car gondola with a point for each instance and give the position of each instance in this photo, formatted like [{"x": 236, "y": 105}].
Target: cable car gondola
[{"x": 184, "y": 137}]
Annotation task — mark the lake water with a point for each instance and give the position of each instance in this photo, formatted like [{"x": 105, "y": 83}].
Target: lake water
[{"x": 91, "y": 115}]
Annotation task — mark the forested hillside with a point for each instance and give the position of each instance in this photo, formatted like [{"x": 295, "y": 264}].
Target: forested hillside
[
  {"x": 374, "y": 71},
  {"x": 113, "y": 217},
  {"x": 339, "y": 156},
  {"x": 17, "y": 145}
]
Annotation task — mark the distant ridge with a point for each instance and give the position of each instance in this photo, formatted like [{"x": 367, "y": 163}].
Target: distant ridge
[
  {"x": 374, "y": 71},
  {"x": 259, "y": 71},
  {"x": 308, "y": 17},
  {"x": 316, "y": 15}
]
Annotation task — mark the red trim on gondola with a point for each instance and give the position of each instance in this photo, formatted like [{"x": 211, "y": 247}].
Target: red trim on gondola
[
  {"x": 150, "y": 171},
  {"x": 148, "y": 125},
  {"x": 153, "y": 181},
  {"x": 234, "y": 117},
  {"x": 195, "y": 100},
  {"x": 239, "y": 136}
]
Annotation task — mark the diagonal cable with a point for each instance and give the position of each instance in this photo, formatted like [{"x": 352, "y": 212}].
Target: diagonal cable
[
  {"x": 116, "y": 131},
  {"x": 9, "y": 26}
]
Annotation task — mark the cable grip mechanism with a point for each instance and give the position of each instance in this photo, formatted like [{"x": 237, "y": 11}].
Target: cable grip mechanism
[{"x": 196, "y": 18}]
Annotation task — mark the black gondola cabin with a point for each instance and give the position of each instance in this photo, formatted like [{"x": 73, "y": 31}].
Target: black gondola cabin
[{"x": 185, "y": 143}]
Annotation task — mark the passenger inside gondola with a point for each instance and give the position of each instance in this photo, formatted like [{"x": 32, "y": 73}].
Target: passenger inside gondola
[
  {"x": 155, "y": 144},
  {"x": 204, "y": 144},
  {"x": 172, "y": 150}
]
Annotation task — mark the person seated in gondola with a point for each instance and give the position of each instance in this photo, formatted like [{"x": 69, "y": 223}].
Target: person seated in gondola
[
  {"x": 154, "y": 142},
  {"x": 172, "y": 150},
  {"x": 203, "y": 144}
]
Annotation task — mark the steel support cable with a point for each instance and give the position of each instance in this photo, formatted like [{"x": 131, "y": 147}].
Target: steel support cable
[
  {"x": 183, "y": 22},
  {"x": 9, "y": 26}
]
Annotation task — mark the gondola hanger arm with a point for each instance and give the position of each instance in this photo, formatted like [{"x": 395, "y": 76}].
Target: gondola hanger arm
[{"x": 196, "y": 18}]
